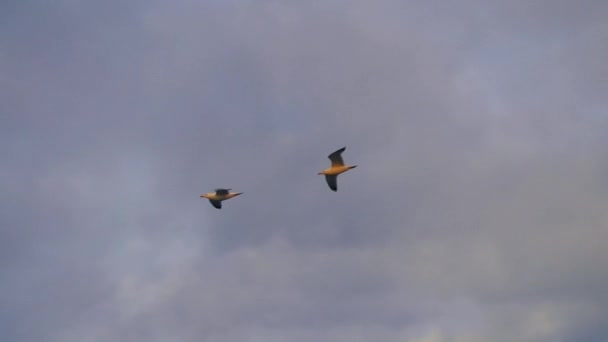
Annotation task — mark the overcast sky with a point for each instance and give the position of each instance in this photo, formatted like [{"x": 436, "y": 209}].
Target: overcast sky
[{"x": 478, "y": 211}]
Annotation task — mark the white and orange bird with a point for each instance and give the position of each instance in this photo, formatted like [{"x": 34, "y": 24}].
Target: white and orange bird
[
  {"x": 337, "y": 167},
  {"x": 216, "y": 198}
]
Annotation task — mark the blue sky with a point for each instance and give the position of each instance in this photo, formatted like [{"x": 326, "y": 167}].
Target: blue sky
[{"x": 477, "y": 211}]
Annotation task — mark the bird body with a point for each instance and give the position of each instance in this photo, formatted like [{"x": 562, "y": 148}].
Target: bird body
[
  {"x": 337, "y": 167},
  {"x": 216, "y": 198},
  {"x": 336, "y": 170}
]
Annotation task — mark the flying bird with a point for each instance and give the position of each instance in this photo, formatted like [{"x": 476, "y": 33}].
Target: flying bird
[
  {"x": 337, "y": 167},
  {"x": 216, "y": 198}
]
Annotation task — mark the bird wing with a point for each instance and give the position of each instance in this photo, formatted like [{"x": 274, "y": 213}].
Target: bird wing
[
  {"x": 222, "y": 191},
  {"x": 332, "y": 181},
  {"x": 336, "y": 157},
  {"x": 217, "y": 204}
]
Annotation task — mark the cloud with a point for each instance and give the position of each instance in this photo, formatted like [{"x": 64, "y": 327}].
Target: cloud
[{"x": 476, "y": 212}]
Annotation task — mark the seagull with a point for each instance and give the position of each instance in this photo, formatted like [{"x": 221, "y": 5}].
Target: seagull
[
  {"x": 216, "y": 198},
  {"x": 337, "y": 167}
]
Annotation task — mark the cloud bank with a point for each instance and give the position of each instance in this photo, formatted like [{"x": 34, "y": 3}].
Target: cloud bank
[{"x": 476, "y": 212}]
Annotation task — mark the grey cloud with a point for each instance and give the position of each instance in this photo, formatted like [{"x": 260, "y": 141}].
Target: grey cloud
[{"x": 476, "y": 212}]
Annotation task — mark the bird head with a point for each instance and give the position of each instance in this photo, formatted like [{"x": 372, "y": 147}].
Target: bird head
[{"x": 204, "y": 196}]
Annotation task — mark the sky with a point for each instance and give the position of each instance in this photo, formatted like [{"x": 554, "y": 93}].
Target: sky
[{"x": 477, "y": 211}]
